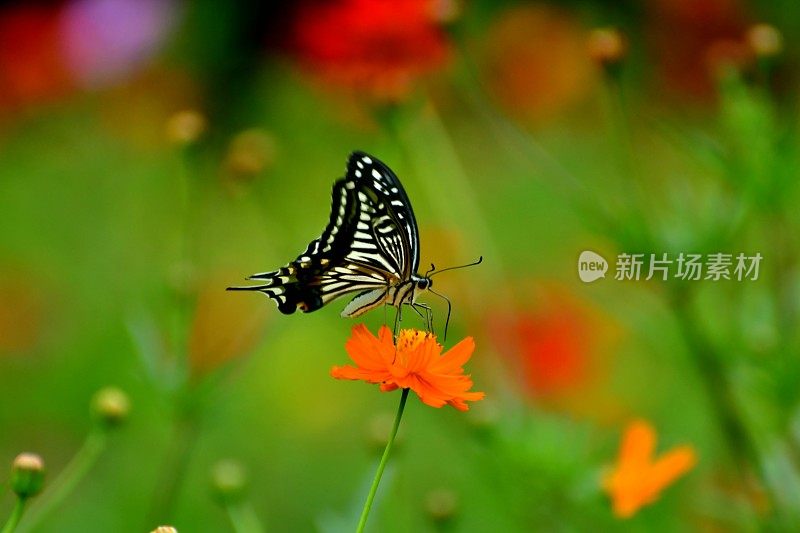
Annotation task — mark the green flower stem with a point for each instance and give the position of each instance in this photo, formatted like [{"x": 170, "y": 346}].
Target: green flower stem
[
  {"x": 16, "y": 515},
  {"x": 68, "y": 479},
  {"x": 707, "y": 359},
  {"x": 382, "y": 465},
  {"x": 244, "y": 518},
  {"x": 175, "y": 465},
  {"x": 629, "y": 182},
  {"x": 182, "y": 267}
]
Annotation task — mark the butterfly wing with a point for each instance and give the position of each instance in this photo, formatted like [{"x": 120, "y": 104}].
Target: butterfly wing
[
  {"x": 386, "y": 238},
  {"x": 364, "y": 248}
]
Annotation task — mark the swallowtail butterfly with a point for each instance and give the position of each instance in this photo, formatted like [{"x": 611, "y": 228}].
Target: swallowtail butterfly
[{"x": 370, "y": 246}]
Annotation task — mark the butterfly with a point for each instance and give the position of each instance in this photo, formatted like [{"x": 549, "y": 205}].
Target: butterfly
[{"x": 370, "y": 247}]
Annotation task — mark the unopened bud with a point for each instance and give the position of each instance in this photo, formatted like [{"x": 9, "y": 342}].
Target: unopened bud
[
  {"x": 726, "y": 58},
  {"x": 110, "y": 406},
  {"x": 607, "y": 46},
  {"x": 228, "y": 481},
  {"x": 765, "y": 40},
  {"x": 27, "y": 475},
  {"x": 164, "y": 529},
  {"x": 484, "y": 416},
  {"x": 185, "y": 127},
  {"x": 378, "y": 430},
  {"x": 445, "y": 11},
  {"x": 250, "y": 153},
  {"x": 441, "y": 504}
]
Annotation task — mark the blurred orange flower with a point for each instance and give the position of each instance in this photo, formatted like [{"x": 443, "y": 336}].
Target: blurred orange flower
[
  {"x": 416, "y": 362},
  {"x": 25, "y": 309},
  {"x": 223, "y": 328},
  {"x": 378, "y": 48},
  {"x": 535, "y": 62},
  {"x": 638, "y": 479}
]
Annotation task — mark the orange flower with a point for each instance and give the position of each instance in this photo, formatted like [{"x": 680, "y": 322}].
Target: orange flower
[
  {"x": 637, "y": 479},
  {"x": 415, "y": 363}
]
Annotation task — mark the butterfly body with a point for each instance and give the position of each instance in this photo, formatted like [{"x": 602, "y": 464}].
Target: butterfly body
[{"x": 370, "y": 246}]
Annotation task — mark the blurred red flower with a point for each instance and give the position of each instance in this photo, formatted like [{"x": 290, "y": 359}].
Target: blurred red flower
[
  {"x": 555, "y": 347},
  {"x": 31, "y": 65},
  {"x": 377, "y": 48},
  {"x": 689, "y": 38}
]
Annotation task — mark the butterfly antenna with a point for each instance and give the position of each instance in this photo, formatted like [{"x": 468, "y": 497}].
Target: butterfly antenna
[
  {"x": 429, "y": 270},
  {"x": 449, "y": 308},
  {"x": 478, "y": 262}
]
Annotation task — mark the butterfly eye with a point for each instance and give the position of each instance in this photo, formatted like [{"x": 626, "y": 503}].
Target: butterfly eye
[{"x": 424, "y": 284}]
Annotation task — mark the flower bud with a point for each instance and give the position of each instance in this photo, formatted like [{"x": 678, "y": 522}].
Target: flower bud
[
  {"x": 164, "y": 529},
  {"x": 607, "y": 46},
  {"x": 250, "y": 153},
  {"x": 110, "y": 406},
  {"x": 727, "y": 58},
  {"x": 228, "y": 481},
  {"x": 378, "y": 430},
  {"x": 27, "y": 475},
  {"x": 185, "y": 127},
  {"x": 484, "y": 417},
  {"x": 445, "y": 11},
  {"x": 765, "y": 40},
  {"x": 441, "y": 504}
]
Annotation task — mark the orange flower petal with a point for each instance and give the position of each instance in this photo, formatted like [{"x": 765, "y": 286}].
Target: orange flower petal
[
  {"x": 670, "y": 467},
  {"x": 415, "y": 363},
  {"x": 366, "y": 351},
  {"x": 637, "y": 479},
  {"x": 455, "y": 357},
  {"x": 638, "y": 444}
]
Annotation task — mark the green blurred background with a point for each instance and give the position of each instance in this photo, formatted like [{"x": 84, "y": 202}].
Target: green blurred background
[{"x": 154, "y": 152}]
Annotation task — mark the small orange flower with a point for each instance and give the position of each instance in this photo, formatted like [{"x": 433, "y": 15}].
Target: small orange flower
[
  {"x": 416, "y": 362},
  {"x": 637, "y": 479}
]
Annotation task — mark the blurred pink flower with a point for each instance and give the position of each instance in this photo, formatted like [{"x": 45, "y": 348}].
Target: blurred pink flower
[{"x": 105, "y": 40}]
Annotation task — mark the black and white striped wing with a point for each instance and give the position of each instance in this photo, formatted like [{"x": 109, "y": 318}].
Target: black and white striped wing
[
  {"x": 364, "y": 248},
  {"x": 386, "y": 233}
]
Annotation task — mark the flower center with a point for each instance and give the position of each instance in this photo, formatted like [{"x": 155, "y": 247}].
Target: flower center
[{"x": 409, "y": 339}]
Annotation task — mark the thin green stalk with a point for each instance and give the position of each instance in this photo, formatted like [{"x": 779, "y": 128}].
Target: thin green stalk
[
  {"x": 712, "y": 373},
  {"x": 182, "y": 267},
  {"x": 16, "y": 515},
  {"x": 70, "y": 477},
  {"x": 181, "y": 445},
  {"x": 174, "y": 468},
  {"x": 244, "y": 518},
  {"x": 630, "y": 182},
  {"x": 382, "y": 465}
]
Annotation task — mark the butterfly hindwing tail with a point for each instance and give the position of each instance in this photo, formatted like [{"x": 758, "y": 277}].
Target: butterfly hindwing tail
[{"x": 286, "y": 290}]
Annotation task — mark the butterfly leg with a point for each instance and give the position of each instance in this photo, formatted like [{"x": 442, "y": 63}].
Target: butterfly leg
[
  {"x": 428, "y": 314},
  {"x": 397, "y": 319}
]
